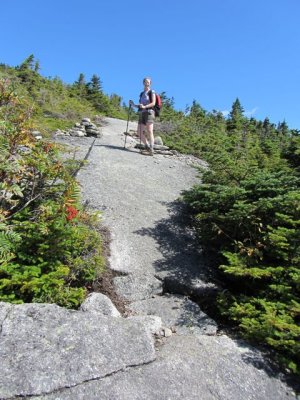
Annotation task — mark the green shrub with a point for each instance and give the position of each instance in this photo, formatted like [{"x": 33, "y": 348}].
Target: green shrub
[
  {"x": 246, "y": 212},
  {"x": 255, "y": 227},
  {"x": 49, "y": 246}
]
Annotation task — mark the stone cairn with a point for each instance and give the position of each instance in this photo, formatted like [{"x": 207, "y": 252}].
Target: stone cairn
[{"x": 81, "y": 129}]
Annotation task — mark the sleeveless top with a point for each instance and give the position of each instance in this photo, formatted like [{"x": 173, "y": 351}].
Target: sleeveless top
[{"x": 145, "y": 98}]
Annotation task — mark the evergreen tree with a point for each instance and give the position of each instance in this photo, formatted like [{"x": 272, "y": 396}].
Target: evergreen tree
[
  {"x": 292, "y": 152},
  {"x": 28, "y": 63},
  {"x": 81, "y": 80},
  {"x": 197, "y": 111},
  {"x": 37, "y": 66},
  {"x": 115, "y": 100},
  {"x": 236, "y": 118},
  {"x": 95, "y": 85},
  {"x": 168, "y": 102},
  {"x": 236, "y": 111},
  {"x": 283, "y": 128},
  {"x": 28, "y": 74},
  {"x": 80, "y": 86},
  {"x": 96, "y": 96},
  {"x": 217, "y": 115},
  {"x": 168, "y": 111}
]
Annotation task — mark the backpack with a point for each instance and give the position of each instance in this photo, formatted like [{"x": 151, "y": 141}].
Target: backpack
[{"x": 158, "y": 103}]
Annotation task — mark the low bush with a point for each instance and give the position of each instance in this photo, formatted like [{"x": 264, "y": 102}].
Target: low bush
[
  {"x": 50, "y": 250},
  {"x": 246, "y": 213}
]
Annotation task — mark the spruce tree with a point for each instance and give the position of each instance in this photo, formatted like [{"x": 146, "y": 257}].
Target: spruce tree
[
  {"x": 197, "y": 111},
  {"x": 28, "y": 63},
  {"x": 80, "y": 86},
  {"x": 236, "y": 117},
  {"x": 95, "y": 85},
  {"x": 96, "y": 96}
]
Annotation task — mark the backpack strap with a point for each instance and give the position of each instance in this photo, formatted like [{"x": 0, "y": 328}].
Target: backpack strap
[
  {"x": 150, "y": 95},
  {"x": 151, "y": 98}
]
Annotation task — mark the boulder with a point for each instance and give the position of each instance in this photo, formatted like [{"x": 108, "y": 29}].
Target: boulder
[
  {"x": 45, "y": 348},
  {"x": 86, "y": 120},
  {"x": 178, "y": 312},
  {"x": 98, "y": 302},
  {"x": 158, "y": 140},
  {"x": 77, "y": 132},
  {"x": 59, "y": 132},
  {"x": 137, "y": 286},
  {"x": 189, "y": 368}
]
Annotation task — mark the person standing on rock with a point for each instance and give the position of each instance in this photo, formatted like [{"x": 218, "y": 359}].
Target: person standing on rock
[{"x": 146, "y": 116}]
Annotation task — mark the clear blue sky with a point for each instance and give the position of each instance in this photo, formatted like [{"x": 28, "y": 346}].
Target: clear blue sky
[{"x": 211, "y": 51}]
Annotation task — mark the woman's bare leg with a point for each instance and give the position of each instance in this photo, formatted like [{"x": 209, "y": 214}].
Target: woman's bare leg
[
  {"x": 141, "y": 134},
  {"x": 150, "y": 135}
]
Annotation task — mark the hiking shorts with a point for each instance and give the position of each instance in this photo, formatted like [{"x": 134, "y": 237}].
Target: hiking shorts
[{"x": 146, "y": 117}]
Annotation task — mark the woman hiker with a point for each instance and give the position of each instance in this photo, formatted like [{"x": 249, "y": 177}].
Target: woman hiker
[{"x": 146, "y": 116}]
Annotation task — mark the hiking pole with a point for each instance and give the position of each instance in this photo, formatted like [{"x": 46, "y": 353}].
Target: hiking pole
[
  {"x": 126, "y": 133},
  {"x": 140, "y": 140}
]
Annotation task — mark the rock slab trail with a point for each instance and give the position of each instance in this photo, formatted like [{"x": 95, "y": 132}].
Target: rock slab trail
[{"x": 168, "y": 348}]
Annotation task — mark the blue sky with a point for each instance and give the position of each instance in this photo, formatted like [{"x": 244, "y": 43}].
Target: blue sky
[{"x": 211, "y": 51}]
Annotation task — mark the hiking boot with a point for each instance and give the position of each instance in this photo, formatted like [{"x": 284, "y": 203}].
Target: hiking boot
[{"x": 147, "y": 152}]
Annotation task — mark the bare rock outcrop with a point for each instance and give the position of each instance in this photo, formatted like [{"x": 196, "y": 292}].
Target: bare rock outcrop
[
  {"x": 166, "y": 347},
  {"x": 45, "y": 348}
]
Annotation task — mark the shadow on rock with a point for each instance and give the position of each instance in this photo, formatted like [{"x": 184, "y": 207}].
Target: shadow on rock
[
  {"x": 109, "y": 146},
  {"x": 183, "y": 268},
  {"x": 186, "y": 270}
]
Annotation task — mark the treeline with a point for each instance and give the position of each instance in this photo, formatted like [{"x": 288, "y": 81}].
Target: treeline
[
  {"x": 246, "y": 212},
  {"x": 59, "y": 105}
]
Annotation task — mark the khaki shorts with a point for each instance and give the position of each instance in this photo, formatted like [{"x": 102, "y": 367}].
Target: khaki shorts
[{"x": 146, "y": 117}]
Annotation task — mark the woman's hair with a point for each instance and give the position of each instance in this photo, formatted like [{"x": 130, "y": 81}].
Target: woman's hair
[{"x": 147, "y": 77}]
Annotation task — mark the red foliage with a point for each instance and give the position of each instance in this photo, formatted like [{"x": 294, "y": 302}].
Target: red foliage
[{"x": 71, "y": 212}]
